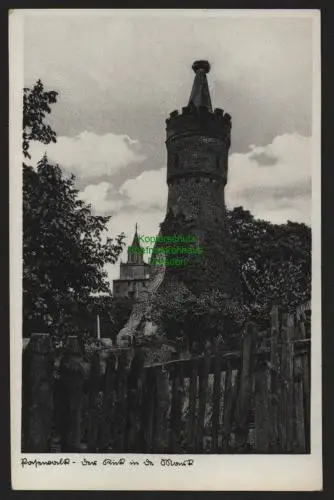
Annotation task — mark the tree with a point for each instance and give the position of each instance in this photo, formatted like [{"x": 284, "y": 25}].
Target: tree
[
  {"x": 275, "y": 264},
  {"x": 113, "y": 314},
  {"x": 119, "y": 310},
  {"x": 197, "y": 319},
  {"x": 65, "y": 246},
  {"x": 275, "y": 259},
  {"x": 36, "y": 104}
]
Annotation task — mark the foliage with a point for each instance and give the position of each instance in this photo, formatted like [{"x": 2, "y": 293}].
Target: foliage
[
  {"x": 119, "y": 311},
  {"x": 275, "y": 265},
  {"x": 36, "y": 104},
  {"x": 275, "y": 259},
  {"x": 198, "y": 319},
  {"x": 65, "y": 246}
]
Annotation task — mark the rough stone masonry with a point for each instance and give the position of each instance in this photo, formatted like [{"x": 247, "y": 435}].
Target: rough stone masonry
[{"x": 198, "y": 141}]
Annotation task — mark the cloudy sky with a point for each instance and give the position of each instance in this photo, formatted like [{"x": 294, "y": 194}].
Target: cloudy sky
[{"x": 118, "y": 79}]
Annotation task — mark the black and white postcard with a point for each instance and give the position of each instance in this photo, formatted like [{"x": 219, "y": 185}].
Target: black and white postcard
[{"x": 165, "y": 249}]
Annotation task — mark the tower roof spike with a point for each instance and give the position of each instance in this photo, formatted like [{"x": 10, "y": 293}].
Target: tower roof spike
[{"x": 200, "y": 94}]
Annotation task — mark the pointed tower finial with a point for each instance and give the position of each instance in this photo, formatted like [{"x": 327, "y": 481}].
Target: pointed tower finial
[
  {"x": 136, "y": 228},
  {"x": 200, "y": 95},
  {"x": 205, "y": 65}
]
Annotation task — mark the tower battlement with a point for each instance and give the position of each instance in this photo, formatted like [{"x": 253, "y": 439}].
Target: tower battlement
[{"x": 200, "y": 121}]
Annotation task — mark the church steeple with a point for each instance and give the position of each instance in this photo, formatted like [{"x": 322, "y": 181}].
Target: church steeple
[
  {"x": 135, "y": 242},
  {"x": 135, "y": 252},
  {"x": 200, "y": 94}
]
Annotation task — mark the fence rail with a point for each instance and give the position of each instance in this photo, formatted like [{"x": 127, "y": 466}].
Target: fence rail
[{"x": 253, "y": 401}]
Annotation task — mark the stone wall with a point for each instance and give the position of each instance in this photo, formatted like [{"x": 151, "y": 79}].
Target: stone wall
[
  {"x": 197, "y": 155},
  {"x": 217, "y": 265},
  {"x": 133, "y": 271},
  {"x": 200, "y": 199},
  {"x": 124, "y": 288}
]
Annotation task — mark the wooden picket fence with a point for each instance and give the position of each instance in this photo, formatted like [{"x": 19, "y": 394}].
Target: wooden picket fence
[{"x": 253, "y": 401}]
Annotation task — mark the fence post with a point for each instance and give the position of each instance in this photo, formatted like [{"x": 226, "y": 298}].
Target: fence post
[
  {"x": 71, "y": 396},
  {"x": 134, "y": 389},
  {"x": 94, "y": 411},
  {"x": 216, "y": 401},
  {"x": 287, "y": 378},
  {"x": 228, "y": 398},
  {"x": 283, "y": 384},
  {"x": 149, "y": 401},
  {"x": 176, "y": 408},
  {"x": 274, "y": 379},
  {"x": 204, "y": 370},
  {"x": 245, "y": 389},
  {"x": 262, "y": 423},
  {"x": 192, "y": 405},
  {"x": 37, "y": 394},
  {"x": 299, "y": 401},
  {"x": 306, "y": 386},
  {"x": 121, "y": 401},
  {"x": 108, "y": 405},
  {"x": 161, "y": 409}
]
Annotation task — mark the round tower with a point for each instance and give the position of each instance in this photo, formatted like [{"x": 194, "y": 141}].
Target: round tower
[{"x": 198, "y": 141}]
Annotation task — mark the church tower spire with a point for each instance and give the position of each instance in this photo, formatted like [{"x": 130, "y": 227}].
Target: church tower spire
[{"x": 135, "y": 251}]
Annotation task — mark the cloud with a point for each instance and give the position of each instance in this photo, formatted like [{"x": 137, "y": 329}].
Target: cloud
[
  {"x": 97, "y": 196},
  {"x": 123, "y": 54},
  {"x": 297, "y": 210},
  {"x": 127, "y": 73},
  {"x": 148, "y": 190},
  {"x": 272, "y": 181},
  {"x": 89, "y": 155},
  {"x": 277, "y": 189}
]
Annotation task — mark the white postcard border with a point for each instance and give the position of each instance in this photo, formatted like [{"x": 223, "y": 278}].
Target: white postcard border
[{"x": 208, "y": 472}]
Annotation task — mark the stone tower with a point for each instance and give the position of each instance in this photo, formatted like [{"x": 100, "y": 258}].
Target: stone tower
[{"x": 198, "y": 140}]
